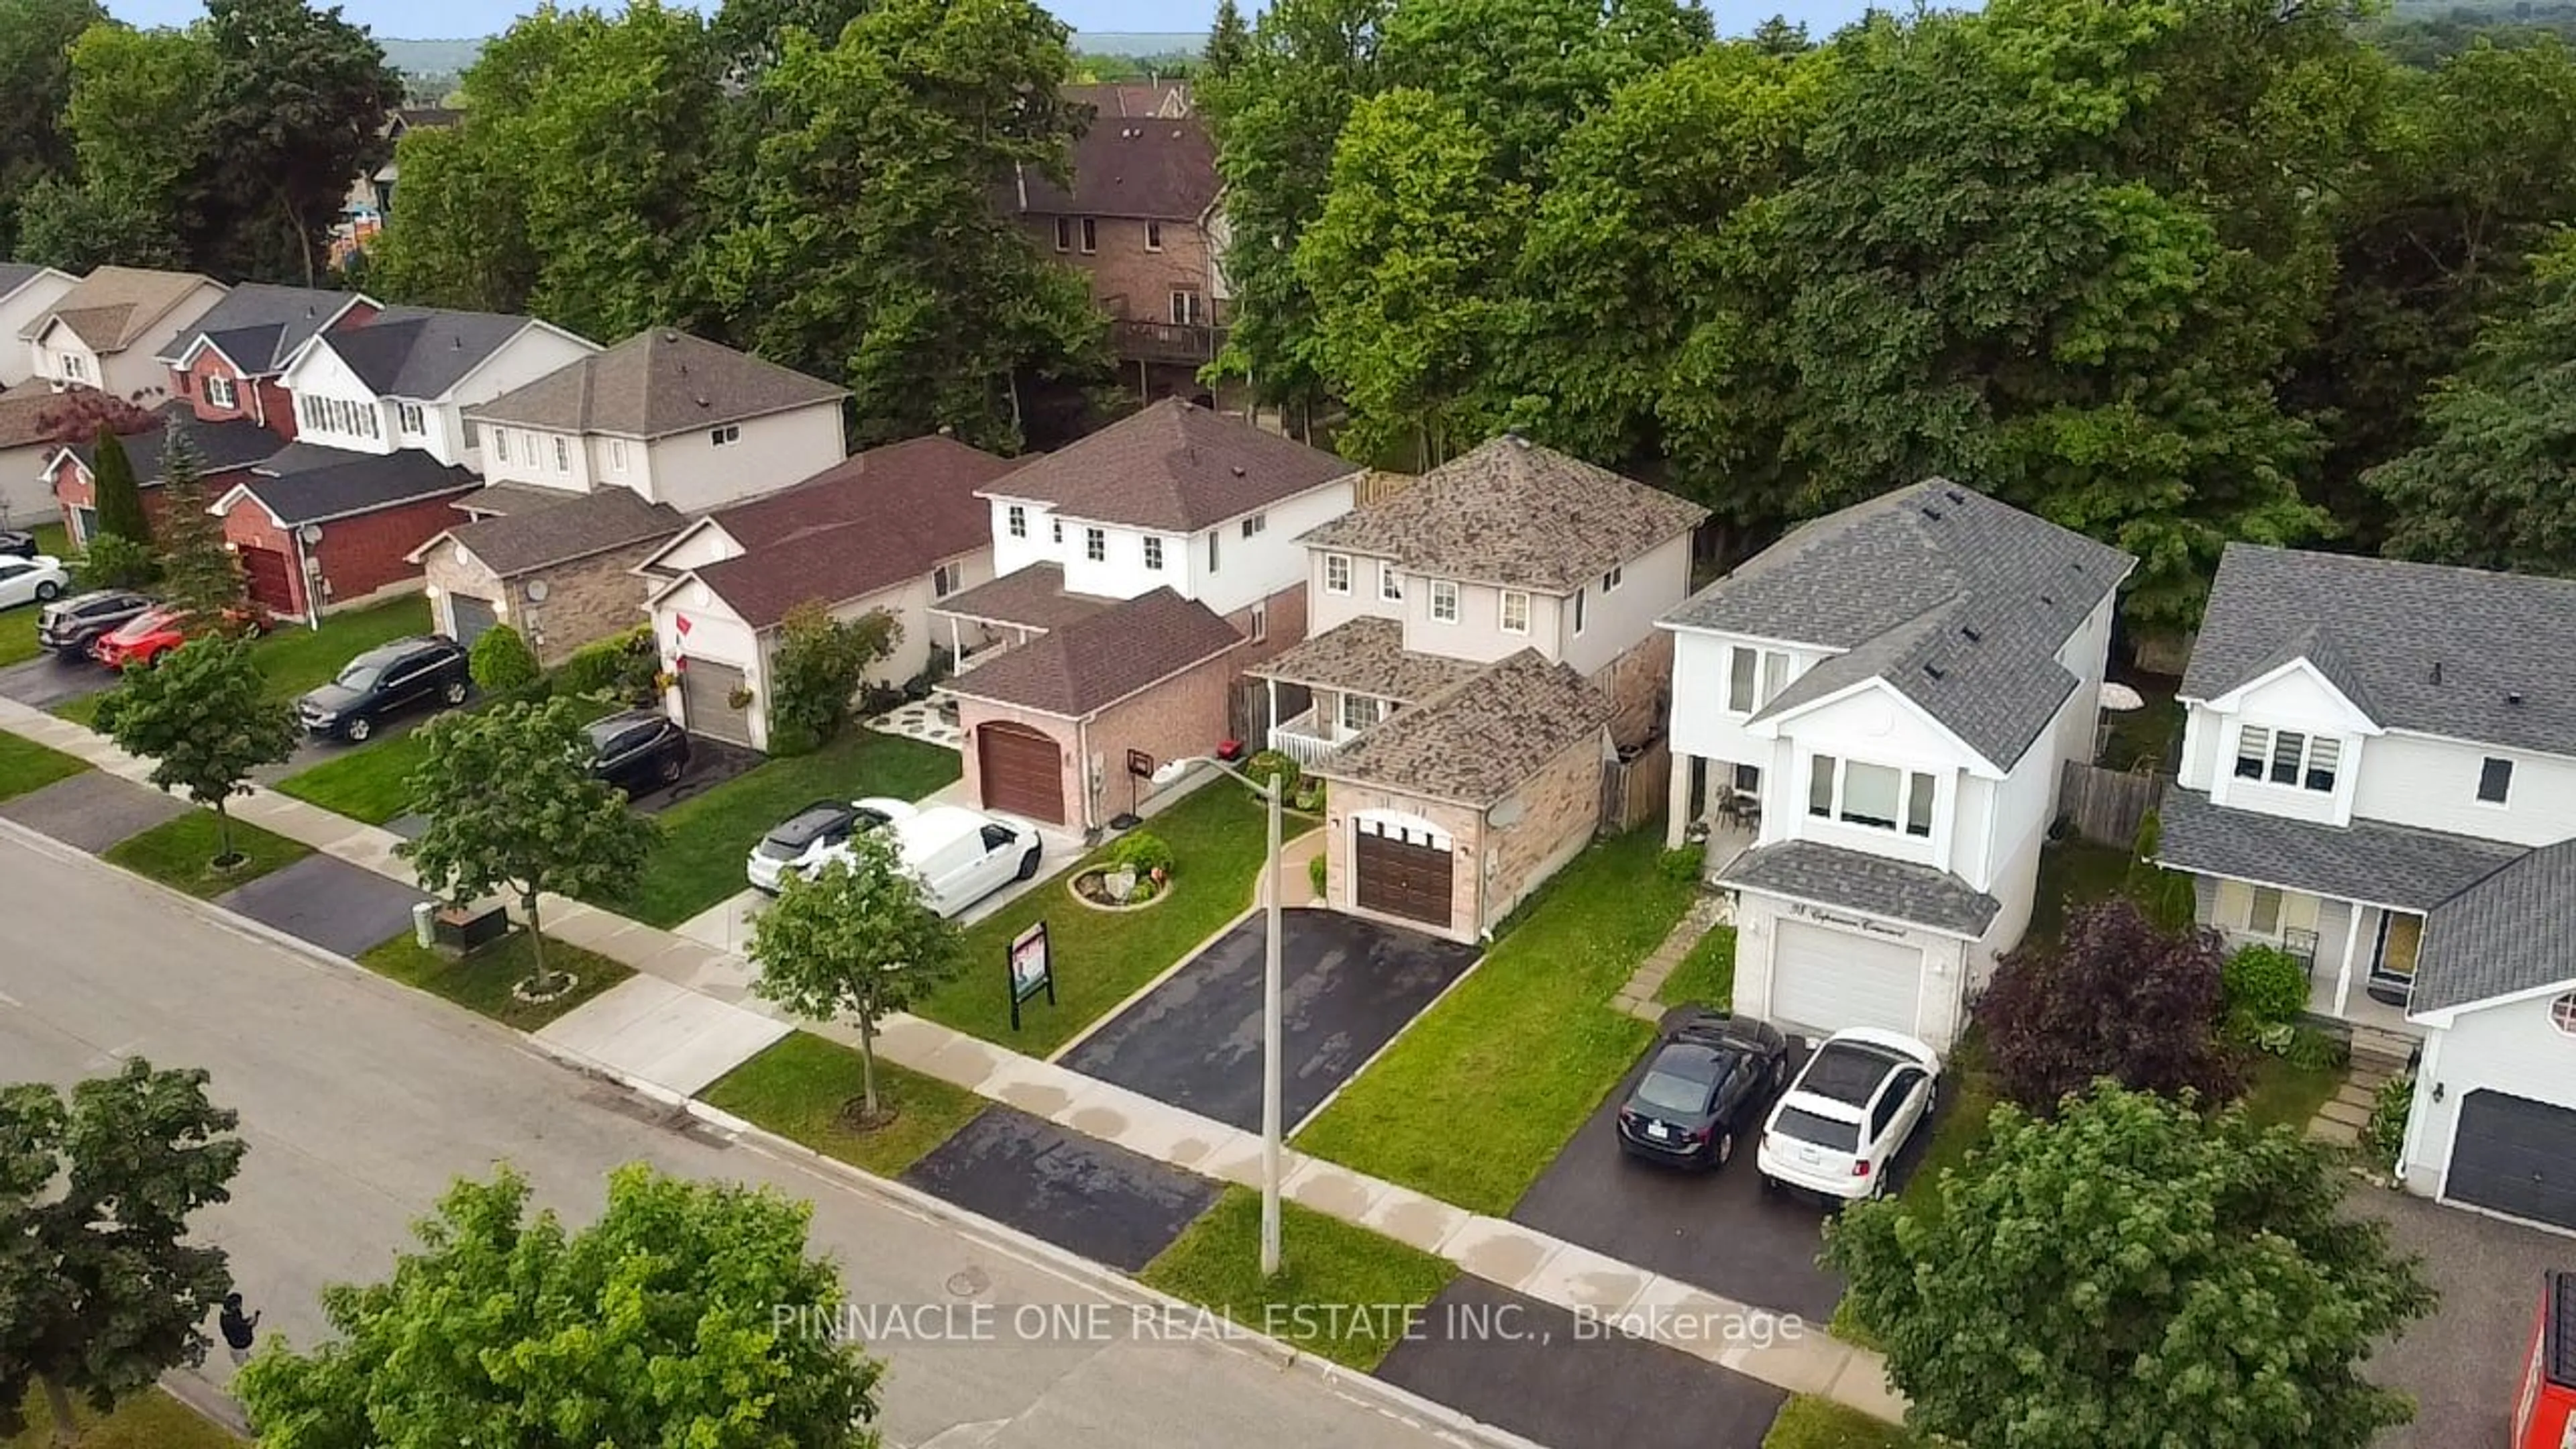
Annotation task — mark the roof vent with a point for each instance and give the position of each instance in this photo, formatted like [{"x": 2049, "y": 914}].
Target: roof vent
[
  {"x": 2513, "y": 697},
  {"x": 1932, "y": 671},
  {"x": 1932, "y": 513},
  {"x": 670, "y": 334},
  {"x": 1954, "y": 495},
  {"x": 1971, "y": 633},
  {"x": 2437, "y": 671},
  {"x": 456, "y": 342},
  {"x": 702, "y": 401},
  {"x": 2048, "y": 601},
  {"x": 1238, "y": 470}
]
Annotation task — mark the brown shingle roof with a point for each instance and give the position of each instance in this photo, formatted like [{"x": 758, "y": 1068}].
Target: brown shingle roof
[
  {"x": 1478, "y": 742},
  {"x": 654, "y": 384},
  {"x": 1112, "y": 99},
  {"x": 576, "y": 528},
  {"x": 1093, "y": 663},
  {"x": 1032, "y": 598},
  {"x": 866, "y": 523},
  {"x": 1366, "y": 656},
  {"x": 1132, "y": 166},
  {"x": 115, "y": 307},
  {"x": 1174, "y": 467},
  {"x": 1517, "y": 514},
  {"x": 24, "y": 415}
]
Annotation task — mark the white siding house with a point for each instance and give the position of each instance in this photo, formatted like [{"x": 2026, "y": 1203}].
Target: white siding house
[
  {"x": 27, "y": 294},
  {"x": 404, "y": 380},
  {"x": 103, "y": 331}
]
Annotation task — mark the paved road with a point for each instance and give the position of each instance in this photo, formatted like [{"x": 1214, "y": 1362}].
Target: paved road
[{"x": 361, "y": 1102}]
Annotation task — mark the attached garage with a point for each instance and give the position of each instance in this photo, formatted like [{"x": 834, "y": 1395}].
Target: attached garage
[
  {"x": 271, "y": 578},
  {"x": 1021, "y": 771},
  {"x": 1828, "y": 979},
  {"x": 2515, "y": 1156},
  {"x": 706, "y": 702},
  {"x": 469, "y": 618},
  {"x": 1403, "y": 869}
]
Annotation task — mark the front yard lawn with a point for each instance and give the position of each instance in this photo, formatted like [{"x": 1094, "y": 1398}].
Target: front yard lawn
[
  {"x": 1809, "y": 1421},
  {"x": 798, "y": 1087},
  {"x": 149, "y": 1420},
  {"x": 1338, "y": 1289},
  {"x": 481, "y": 982},
  {"x": 2281, "y": 1093},
  {"x": 26, "y": 765},
  {"x": 704, "y": 840},
  {"x": 18, "y": 626},
  {"x": 1706, "y": 975},
  {"x": 180, "y": 854},
  {"x": 1477, "y": 1096},
  {"x": 296, "y": 658},
  {"x": 371, "y": 782},
  {"x": 1102, "y": 957}
]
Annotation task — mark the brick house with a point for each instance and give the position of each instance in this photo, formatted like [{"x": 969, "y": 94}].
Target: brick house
[
  {"x": 1141, "y": 220},
  {"x": 93, "y": 335},
  {"x": 229, "y": 450},
  {"x": 230, "y": 362},
  {"x": 563, "y": 574},
  {"x": 319, "y": 529}
]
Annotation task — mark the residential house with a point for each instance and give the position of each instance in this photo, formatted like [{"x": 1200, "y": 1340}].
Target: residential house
[
  {"x": 2378, "y": 775},
  {"x": 562, "y": 575},
  {"x": 1869, "y": 723},
  {"x": 29, "y": 414},
  {"x": 371, "y": 195},
  {"x": 27, "y": 294},
  {"x": 893, "y": 529},
  {"x": 230, "y": 362},
  {"x": 1150, "y": 530},
  {"x": 226, "y": 450},
  {"x": 1480, "y": 643},
  {"x": 1141, "y": 220},
  {"x": 89, "y": 337}
]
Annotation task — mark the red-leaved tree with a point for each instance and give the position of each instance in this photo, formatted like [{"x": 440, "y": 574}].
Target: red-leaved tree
[
  {"x": 2118, "y": 997},
  {"x": 77, "y": 415}
]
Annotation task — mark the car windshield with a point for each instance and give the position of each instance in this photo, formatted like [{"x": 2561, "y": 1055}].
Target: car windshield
[
  {"x": 1806, "y": 1126},
  {"x": 151, "y": 623},
  {"x": 1668, "y": 1092},
  {"x": 360, "y": 674}
]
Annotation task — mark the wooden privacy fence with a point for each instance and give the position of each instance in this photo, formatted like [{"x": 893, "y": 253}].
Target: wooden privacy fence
[
  {"x": 2107, "y": 805},
  {"x": 1632, "y": 790}
]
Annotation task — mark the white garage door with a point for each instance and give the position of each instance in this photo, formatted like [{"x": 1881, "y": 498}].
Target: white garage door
[{"x": 1827, "y": 980}]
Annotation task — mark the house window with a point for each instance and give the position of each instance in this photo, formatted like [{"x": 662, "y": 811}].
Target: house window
[
  {"x": 2495, "y": 781},
  {"x": 1610, "y": 580},
  {"x": 1064, "y": 233},
  {"x": 1015, "y": 520},
  {"x": 474, "y": 434},
  {"x": 1360, "y": 712},
  {"x": 75, "y": 365},
  {"x": 1095, "y": 545},
  {"x": 1337, "y": 573},
  {"x": 1578, "y": 611},
  {"x": 501, "y": 444},
  {"x": 1090, "y": 235},
  {"x": 1153, "y": 236},
  {"x": 1255, "y": 524},
  {"x": 1820, "y": 786},
  {"x": 1880, "y": 797},
  {"x": 2252, "y": 745},
  {"x": 943, "y": 580},
  {"x": 2562, "y": 1013},
  {"x": 219, "y": 391},
  {"x": 1515, "y": 612},
  {"x": 2288, "y": 757},
  {"x": 1188, "y": 309},
  {"x": 187, "y": 383},
  {"x": 1444, "y": 600},
  {"x": 1213, "y": 536},
  {"x": 1390, "y": 586},
  {"x": 617, "y": 455},
  {"x": 1261, "y": 622},
  {"x": 726, "y": 436},
  {"x": 2263, "y": 914},
  {"x": 410, "y": 418},
  {"x": 1154, "y": 554},
  {"x": 1753, "y": 677},
  {"x": 563, "y": 456},
  {"x": 1055, "y": 528}
]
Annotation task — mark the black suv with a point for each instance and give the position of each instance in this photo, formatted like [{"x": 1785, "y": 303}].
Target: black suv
[
  {"x": 638, "y": 750},
  {"x": 1709, "y": 1081},
  {"x": 69, "y": 626},
  {"x": 384, "y": 680}
]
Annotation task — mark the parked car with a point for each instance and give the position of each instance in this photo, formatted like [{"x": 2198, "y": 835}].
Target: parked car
[
  {"x": 638, "y": 750},
  {"x": 1850, "y": 1112},
  {"x": 960, "y": 855},
  {"x": 1708, "y": 1083},
  {"x": 17, "y": 541},
  {"x": 143, "y": 639},
  {"x": 384, "y": 681},
  {"x": 70, "y": 626},
  {"x": 36, "y": 579},
  {"x": 799, "y": 844}
]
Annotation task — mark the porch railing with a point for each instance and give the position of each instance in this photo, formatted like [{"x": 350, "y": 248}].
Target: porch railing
[{"x": 1303, "y": 738}]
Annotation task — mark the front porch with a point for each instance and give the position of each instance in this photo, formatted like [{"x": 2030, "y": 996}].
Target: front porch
[{"x": 2360, "y": 958}]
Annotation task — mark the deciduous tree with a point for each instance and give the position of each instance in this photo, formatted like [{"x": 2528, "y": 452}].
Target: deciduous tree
[
  {"x": 817, "y": 668},
  {"x": 2118, "y": 997},
  {"x": 294, "y": 106},
  {"x": 35, "y": 85},
  {"x": 203, "y": 715}
]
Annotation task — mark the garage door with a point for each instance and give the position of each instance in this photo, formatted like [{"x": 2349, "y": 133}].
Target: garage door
[
  {"x": 706, "y": 698},
  {"x": 1827, "y": 979},
  {"x": 470, "y": 616},
  {"x": 1022, "y": 771},
  {"x": 271, "y": 579},
  {"x": 1402, "y": 872},
  {"x": 2517, "y": 1156}
]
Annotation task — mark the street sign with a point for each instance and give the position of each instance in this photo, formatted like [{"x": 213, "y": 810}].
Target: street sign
[{"x": 1031, "y": 970}]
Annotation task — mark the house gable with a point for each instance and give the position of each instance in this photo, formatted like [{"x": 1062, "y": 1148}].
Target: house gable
[
  {"x": 2297, "y": 693},
  {"x": 1872, "y": 720}
]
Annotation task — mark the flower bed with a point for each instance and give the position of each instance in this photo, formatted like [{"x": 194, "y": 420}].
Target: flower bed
[{"x": 1093, "y": 888}]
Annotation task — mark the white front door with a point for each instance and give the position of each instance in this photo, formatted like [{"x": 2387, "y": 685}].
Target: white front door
[{"x": 1825, "y": 979}]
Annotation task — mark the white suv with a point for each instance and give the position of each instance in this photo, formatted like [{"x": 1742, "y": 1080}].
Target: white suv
[{"x": 1839, "y": 1127}]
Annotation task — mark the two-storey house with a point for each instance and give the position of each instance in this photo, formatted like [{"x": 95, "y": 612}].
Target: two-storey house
[
  {"x": 1870, "y": 719},
  {"x": 597, "y": 464},
  {"x": 27, "y": 293},
  {"x": 229, "y": 363},
  {"x": 1139, "y": 571},
  {"x": 2379, "y": 775},
  {"x": 1480, "y": 643},
  {"x": 99, "y": 332},
  {"x": 27, "y": 415}
]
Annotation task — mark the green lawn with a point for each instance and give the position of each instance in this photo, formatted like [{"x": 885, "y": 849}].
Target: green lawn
[
  {"x": 704, "y": 840},
  {"x": 296, "y": 658},
  {"x": 481, "y": 982},
  {"x": 371, "y": 782},
  {"x": 26, "y": 765},
  {"x": 1102, "y": 957},
  {"x": 18, "y": 625},
  {"x": 1808, "y": 1421},
  {"x": 2280, "y": 1093},
  {"x": 153, "y": 1420},
  {"x": 1967, "y": 1095},
  {"x": 798, "y": 1087},
  {"x": 1340, "y": 1292},
  {"x": 1480, "y": 1093},
  {"x": 2072, "y": 872},
  {"x": 180, "y": 854},
  {"x": 1706, "y": 975}
]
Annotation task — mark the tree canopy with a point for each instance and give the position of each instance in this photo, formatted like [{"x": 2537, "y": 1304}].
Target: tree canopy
[{"x": 204, "y": 716}]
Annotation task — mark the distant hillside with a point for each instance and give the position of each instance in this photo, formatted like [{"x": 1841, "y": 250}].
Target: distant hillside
[
  {"x": 430, "y": 57},
  {"x": 1139, "y": 42}
]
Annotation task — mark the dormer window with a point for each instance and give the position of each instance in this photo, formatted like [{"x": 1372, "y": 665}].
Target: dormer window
[
  {"x": 2292, "y": 758},
  {"x": 219, "y": 392}
]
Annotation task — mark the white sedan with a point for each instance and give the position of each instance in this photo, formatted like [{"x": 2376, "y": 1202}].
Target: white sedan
[
  {"x": 38, "y": 580},
  {"x": 1851, "y": 1110},
  {"x": 801, "y": 843}
]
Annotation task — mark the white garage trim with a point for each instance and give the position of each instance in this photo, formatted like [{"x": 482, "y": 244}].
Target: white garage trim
[
  {"x": 1830, "y": 979},
  {"x": 1397, "y": 825}
]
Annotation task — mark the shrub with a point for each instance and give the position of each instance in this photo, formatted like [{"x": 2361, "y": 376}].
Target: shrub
[
  {"x": 2266, "y": 985},
  {"x": 622, "y": 666},
  {"x": 116, "y": 562},
  {"x": 501, "y": 661},
  {"x": 815, "y": 673},
  {"x": 2165, "y": 895},
  {"x": 1683, "y": 865},
  {"x": 1316, "y": 871},
  {"x": 1270, "y": 762},
  {"x": 2383, "y": 1137},
  {"x": 2119, "y": 997},
  {"x": 1142, "y": 851}
]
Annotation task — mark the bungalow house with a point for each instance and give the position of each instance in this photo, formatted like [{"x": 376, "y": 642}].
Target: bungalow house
[
  {"x": 2378, "y": 776},
  {"x": 27, "y": 293},
  {"x": 230, "y": 362},
  {"x": 1483, "y": 643},
  {"x": 894, "y": 530},
  {"x": 90, "y": 336}
]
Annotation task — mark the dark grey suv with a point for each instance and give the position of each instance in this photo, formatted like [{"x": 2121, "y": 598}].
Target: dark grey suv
[
  {"x": 69, "y": 626},
  {"x": 390, "y": 678}
]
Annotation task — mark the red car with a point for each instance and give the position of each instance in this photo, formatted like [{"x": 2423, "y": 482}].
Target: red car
[{"x": 143, "y": 639}]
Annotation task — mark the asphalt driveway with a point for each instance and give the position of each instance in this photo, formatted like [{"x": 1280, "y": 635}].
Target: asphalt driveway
[
  {"x": 1104, "y": 1202},
  {"x": 1348, "y": 987},
  {"x": 330, "y": 903},
  {"x": 93, "y": 810},
  {"x": 49, "y": 680},
  {"x": 711, "y": 763},
  {"x": 2464, "y": 1364}
]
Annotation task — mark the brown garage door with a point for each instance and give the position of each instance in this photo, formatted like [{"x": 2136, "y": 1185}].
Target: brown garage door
[
  {"x": 1021, "y": 771},
  {"x": 271, "y": 579},
  {"x": 706, "y": 698},
  {"x": 1401, "y": 873}
]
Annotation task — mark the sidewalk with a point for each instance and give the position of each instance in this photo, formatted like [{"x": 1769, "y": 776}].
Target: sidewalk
[{"x": 690, "y": 1016}]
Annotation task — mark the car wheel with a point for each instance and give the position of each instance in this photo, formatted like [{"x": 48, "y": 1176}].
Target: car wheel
[
  {"x": 1725, "y": 1152},
  {"x": 1028, "y": 864},
  {"x": 455, "y": 692},
  {"x": 672, "y": 768},
  {"x": 358, "y": 728},
  {"x": 48, "y": 591}
]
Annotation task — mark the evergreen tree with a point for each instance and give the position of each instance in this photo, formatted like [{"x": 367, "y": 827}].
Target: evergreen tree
[
  {"x": 1229, "y": 43},
  {"x": 115, "y": 498},
  {"x": 198, "y": 572}
]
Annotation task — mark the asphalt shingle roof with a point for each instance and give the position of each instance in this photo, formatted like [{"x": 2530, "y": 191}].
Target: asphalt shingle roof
[
  {"x": 258, "y": 325},
  {"x": 1366, "y": 656},
  {"x": 2367, "y": 861},
  {"x": 1514, "y": 513},
  {"x": 1872, "y": 885},
  {"x": 654, "y": 384},
  {"x": 2514, "y": 931},
  {"x": 1957, "y": 601},
  {"x": 113, "y": 308},
  {"x": 2478, "y": 656},
  {"x": 308, "y": 483},
  {"x": 221, "y": 447},
  {"x": 1031, "y": 598},
  {"x": 1158, "y": 168},
  {"x": 576, "y": 528},
  {"x": 1173, "y": 467},
  {"x": 1092, "y": 663},
  {"x": 14, "y": 275},
  {"x": 1476, "y": 742},
  {"x": 417, "y": 352}
]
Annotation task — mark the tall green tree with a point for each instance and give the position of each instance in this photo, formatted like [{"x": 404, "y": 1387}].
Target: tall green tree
[
  {"x": 2095, "y": 1281},
  {"x": 463, "y": 240},
  {"x": 294, "y": 107},
  {"x": 105, "y": 1290},
  {"x": 132, "y": 117},
  {"x": 1229, "y": 43},
  {"x": 688, "y": 1313},
  {"x": 197, "y": 572},
  {"x": 114, "y": 495},
  {"x": 35, "y": 86},
  {"x": 204, "y": 715}
]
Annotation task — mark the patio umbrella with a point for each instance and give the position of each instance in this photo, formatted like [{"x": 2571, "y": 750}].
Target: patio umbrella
[{"x": 2121, "y": 697}]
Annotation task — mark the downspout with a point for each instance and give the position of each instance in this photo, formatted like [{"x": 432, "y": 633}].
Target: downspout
[{"x": 307, "y": 580}]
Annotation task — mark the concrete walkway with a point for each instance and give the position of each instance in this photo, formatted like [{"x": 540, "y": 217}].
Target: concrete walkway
[
  {"x": 691, "y": 1016},
  {"x": 1637, "y": 998}
]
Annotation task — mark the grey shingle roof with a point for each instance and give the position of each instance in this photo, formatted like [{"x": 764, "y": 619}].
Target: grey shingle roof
[
  {"x": 307, "y": 483},
  {"x": 2422, "y": 647},
  {"x": 2514, "y": 931},
  {"x": 420, "y": 352},
  {"x": 2367, "y": 861},
  {"x": 1872, "y": 885},
  {"x": 14, "y": 275},
  {"x": 1366, "y": 656},
  {"x": 1093, "y": 663},
  {"x": 258, "y": 325},
  {"x": 1031, "y": 598},
  {"x": 575, "y": 528},
  {"x": 1957, "y": 601},
  {"x": 654, "y": 384},
  {"x": 221, "y": 447},
  {"x": 1174, "y": 467},
  {"x": 1514, "y": 513},
  {"x": 1477, "y": 742}
]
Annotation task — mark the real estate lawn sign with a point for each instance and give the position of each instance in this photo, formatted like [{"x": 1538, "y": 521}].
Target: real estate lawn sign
[{"x": 1031, "y": 970}]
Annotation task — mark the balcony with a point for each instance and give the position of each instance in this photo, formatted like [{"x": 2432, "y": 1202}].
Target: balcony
[
  {"x": 1193, "y": 344},
  {"x": 1306, "y": 739}
]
